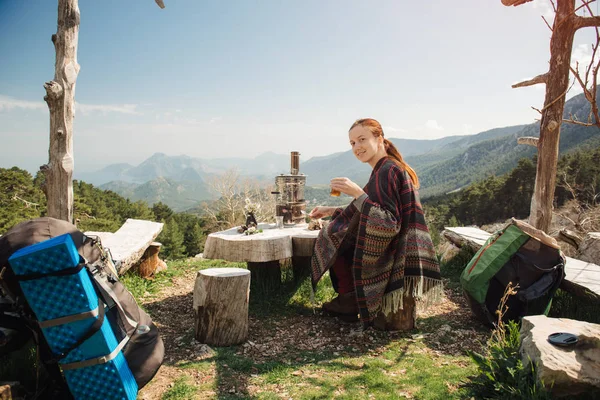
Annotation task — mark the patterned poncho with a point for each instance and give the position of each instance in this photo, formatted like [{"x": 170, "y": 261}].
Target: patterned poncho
[{"x": 393, "y": 251}]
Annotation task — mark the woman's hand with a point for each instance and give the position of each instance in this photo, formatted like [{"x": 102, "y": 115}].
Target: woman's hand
[
  {"x": 321, "y": 212},
  {"x": 346, "y": 186}
]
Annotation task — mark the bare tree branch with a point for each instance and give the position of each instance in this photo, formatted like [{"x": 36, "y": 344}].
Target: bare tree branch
[
  {"x": 543, "y": 78},
  {"x": 27, "y": 203},
  {"x": 528, "y": 140},
  {"x": 575, "y": 122},
  {"x": 585, "y": 22},
  {"x": 585, "y": 4},
  {"x": 514, "y": 3},
  {"x": 547, "y": 24}
]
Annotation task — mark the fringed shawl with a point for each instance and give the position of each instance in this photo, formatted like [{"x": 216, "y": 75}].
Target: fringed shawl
[{"x": 393, "y": 251}]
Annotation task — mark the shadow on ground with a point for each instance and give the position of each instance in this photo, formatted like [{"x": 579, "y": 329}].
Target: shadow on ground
[{"x": 287, "y": 337}]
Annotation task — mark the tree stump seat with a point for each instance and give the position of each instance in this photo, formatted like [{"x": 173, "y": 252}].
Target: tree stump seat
[
  {"x": 221, "y": 306},
  {"x": 402, "y": 320},
  {"x": 149, "y": 262}
]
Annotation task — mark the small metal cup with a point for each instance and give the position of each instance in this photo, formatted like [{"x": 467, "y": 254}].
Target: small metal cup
[{"x": 279, "y": 221}]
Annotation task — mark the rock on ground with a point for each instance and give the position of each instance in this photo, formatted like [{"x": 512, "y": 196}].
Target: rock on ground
[{"x": 571, "y": 370}]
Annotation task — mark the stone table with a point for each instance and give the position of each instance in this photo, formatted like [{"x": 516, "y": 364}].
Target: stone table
[{"x": 263, "y": 251}]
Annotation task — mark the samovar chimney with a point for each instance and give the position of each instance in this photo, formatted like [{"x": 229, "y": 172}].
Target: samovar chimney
[{"x": 295, "y": 163}]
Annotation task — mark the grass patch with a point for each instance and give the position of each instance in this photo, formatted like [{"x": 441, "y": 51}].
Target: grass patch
[
  {"x": 181, "y": 390},
  {"x": 502, "y": 373},
  {"x": 142, "y": 287}
]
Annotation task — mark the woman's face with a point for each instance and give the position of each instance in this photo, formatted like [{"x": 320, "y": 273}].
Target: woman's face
[{"x": 365, "y": 146}]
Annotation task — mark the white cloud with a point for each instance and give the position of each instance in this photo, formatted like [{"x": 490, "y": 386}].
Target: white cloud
[
  {"x": 87, "y": 109},
  {"x": 432, "y": 124},
  {"x": 215, "y": 119},
  {"x": 8, "y": 103},
  {"x": 392, "y": 129}
]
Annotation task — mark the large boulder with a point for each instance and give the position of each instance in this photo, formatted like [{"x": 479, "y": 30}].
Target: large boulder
[
  {"x": 589, "y": 250},
  {"x": 568, "y": 371}
]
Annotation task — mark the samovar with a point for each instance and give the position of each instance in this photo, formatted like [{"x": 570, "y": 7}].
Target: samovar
[{"x": 290, "y": 201}]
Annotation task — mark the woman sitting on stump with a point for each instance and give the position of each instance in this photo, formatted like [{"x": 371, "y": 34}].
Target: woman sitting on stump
[{"x": 378, "y": 248}]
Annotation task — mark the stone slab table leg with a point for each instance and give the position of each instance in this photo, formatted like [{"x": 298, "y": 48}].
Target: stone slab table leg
[
  {"x": 265, "y": 276},
  {"x": 301, "y": 267}
]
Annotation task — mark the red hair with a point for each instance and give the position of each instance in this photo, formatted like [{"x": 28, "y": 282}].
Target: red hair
[{"x": 375, "y": 128}]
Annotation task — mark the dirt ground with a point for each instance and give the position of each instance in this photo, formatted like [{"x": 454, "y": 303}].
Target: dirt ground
[{"x": 453, "y": 331}]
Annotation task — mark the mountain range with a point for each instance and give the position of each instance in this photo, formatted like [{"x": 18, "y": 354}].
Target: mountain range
[{"x": 443, "y": 165}]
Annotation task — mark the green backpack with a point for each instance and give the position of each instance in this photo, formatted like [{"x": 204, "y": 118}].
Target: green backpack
[{"x": 523, "y": 256}]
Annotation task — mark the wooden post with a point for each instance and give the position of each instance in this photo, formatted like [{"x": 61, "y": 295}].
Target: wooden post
[
  {"x": 566, "y": 23},
  {"x": 60, "y": 96},
  {"x": 557, "y": 83},
  {"x": 221, "y": 306}
]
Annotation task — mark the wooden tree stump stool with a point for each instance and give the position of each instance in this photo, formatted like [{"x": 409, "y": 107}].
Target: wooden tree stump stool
[
  {"x": 149, "y": 261},
  {"x": 402, "y": 320},
  {"x": 221, "y": 306}
]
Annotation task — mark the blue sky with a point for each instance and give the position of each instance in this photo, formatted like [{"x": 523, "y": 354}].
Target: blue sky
[{"x": 216, "y": 79}]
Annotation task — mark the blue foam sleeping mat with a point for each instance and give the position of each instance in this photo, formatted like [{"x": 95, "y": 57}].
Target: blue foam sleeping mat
[{"x": 54, "y": 297}]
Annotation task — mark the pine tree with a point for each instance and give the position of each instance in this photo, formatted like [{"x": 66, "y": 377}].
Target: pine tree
[{"x": 171, "y": 238}]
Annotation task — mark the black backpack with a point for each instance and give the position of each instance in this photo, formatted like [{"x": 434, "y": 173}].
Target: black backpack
[
  {"x": 144, "y": 349},
  {"x": 523, "y": 256}
]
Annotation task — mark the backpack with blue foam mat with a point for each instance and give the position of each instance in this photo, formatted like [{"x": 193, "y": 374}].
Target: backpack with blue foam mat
[
  {"x": 519, "y": 255},
  {"x": 84, "y": 320}
]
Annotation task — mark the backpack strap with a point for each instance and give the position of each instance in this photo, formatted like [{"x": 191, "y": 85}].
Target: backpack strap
[
  {"x": 62, "y": 272},
  {"x": 90, "y": 332},
  {"x": 97, "y": 360}
]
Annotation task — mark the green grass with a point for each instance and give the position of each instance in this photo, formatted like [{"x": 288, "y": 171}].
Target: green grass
[
  {"x": 402, "y": 371},
  {"x": 399, "y": 368},
  {"x": 141, "y": 287},
  {"x": 181, "y": 390}
]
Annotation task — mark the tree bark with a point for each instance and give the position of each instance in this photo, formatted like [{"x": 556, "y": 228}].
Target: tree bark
[
  {"x": 149, "y": 261},
  {"x": 60, "y": 96},
  {"x": 402, "y": 320},
  {"x": 221, "y": 306},
  {"x": 561, "y": 45}
]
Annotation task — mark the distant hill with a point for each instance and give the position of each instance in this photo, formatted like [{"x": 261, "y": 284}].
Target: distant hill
[
  {"x": 443, "y": 165},
  {"x": 186, "y": 168},
  {"x": 180, "y": 196}
]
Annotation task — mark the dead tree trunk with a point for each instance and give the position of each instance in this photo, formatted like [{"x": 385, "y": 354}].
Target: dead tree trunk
[
  {"x": 566, "y": 23},
  {"x": 557, "y": 83},
  {"x": 60, "y": 96}
]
